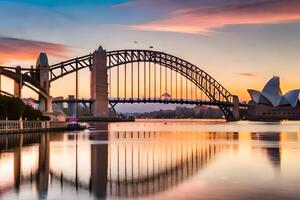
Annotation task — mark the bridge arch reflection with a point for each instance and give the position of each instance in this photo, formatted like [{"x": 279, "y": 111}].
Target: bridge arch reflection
[
  {"x": 112, "y": 163},
  {"x": 141, "y": 168}
]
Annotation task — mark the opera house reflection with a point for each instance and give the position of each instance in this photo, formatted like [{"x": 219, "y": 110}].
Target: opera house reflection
[{"x": 112, "y": 164}]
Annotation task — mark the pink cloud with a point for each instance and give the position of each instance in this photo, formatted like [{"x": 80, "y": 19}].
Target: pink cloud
[
  {"x": 12, "y": 49},
  {"x": 205, "y": 20}
]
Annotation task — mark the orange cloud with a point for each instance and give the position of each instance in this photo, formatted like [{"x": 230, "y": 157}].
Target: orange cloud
[
  {"x": 205, "y": 20},
  {"x": 12, "y": 49}
]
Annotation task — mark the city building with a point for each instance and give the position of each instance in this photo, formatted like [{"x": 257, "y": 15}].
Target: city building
[{"x": 271, "y": 105}]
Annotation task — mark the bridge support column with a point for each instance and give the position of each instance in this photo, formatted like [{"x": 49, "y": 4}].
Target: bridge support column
[
  {"x": 99, "y": 84},
  {"x": 42, "y": 67},
  {"x": 235, "y": 110},
  {"x": 48, "y": 104},
  {"x": 18, "y": 83},
  {"x": 17, "y": 89}
]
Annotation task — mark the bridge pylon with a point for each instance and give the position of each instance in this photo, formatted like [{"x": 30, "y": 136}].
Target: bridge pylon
[
  {"x": 99, "y": 84},
  {"x": 42, "y": 77},
  {"x": 235, "y": 108},
  {"x": 18, "y": 83}
]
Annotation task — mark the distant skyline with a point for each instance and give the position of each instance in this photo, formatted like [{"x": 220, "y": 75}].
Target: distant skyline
[{"x": 241, "y": 43}]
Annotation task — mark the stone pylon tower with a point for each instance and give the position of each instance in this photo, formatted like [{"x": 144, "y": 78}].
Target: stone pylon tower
[
  {"x": 18, "y": 84},
  {"x": 99, "y": 84},
  {"x": 42, "y": 76},
  {"x": 235, "y": 109}
]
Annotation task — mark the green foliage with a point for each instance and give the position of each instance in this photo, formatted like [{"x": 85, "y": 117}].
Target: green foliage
[
  {"x": 14, "y": 109},
  {"x": 32, "y": 114}
]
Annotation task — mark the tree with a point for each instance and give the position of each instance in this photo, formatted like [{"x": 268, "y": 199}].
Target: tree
[{"x": 14, "y": 109}]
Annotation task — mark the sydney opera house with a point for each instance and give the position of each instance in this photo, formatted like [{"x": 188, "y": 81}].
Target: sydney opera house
[{"x": 271, "y": 105}]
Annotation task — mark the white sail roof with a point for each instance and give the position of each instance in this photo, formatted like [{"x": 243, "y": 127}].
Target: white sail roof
[
  {"x": 272, "y": 91},
  {"x": 292, "y": 97},
  {"x": 284, "y": 101},
  {"x": 255, "y": 95}
]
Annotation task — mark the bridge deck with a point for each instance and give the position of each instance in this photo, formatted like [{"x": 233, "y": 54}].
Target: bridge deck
[{"x": 148, "y": 100}]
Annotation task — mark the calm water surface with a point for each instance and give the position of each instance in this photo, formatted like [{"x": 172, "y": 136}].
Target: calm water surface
[{"x": 155, "y": 159}]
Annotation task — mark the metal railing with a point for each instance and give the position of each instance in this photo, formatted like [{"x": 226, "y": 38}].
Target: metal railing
[{"x": 10, "y": 126}]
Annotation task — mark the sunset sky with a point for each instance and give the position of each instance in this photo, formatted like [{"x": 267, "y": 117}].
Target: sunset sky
[{"x": 241, "y": 43}]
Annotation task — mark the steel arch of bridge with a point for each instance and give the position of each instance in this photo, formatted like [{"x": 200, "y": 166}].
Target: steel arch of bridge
[
  {"x": 212, "y": 88},
  {"x": 206, "y": 83},
  {"x": 23, "y": 78},
  {"x": 6, "y": 93}
]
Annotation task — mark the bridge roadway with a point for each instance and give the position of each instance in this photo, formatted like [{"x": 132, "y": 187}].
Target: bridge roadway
[{"x": 148, "y": 100}]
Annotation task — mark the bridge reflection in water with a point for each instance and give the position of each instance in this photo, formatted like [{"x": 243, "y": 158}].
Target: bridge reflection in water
[
  {"x": 143, "y": 168},
  {"x": 117, "y": 164}
]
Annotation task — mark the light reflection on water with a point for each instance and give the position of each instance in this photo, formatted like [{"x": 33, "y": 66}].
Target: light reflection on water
[{"x": 186, "y": 159}]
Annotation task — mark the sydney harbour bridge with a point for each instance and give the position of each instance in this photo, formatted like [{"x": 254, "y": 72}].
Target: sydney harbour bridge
[{"x": 127, "y": 76}]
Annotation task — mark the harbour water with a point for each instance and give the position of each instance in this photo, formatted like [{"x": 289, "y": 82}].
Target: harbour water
[{"x": 157, "y": 159}]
